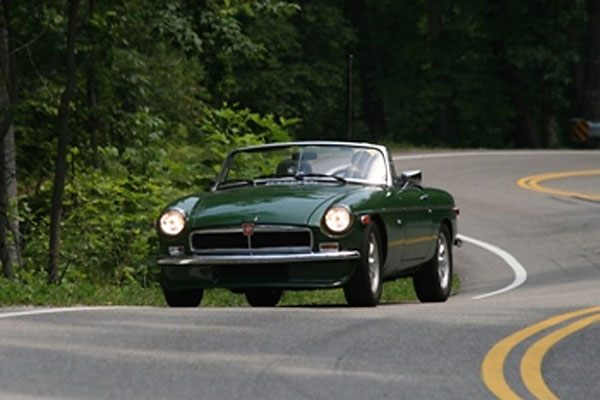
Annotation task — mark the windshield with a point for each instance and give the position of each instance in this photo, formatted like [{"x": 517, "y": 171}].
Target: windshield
[{"x": 291, "y": 164}]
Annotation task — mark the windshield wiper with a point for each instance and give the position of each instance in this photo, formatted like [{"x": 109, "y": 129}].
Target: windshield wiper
[
  {"x": 235, "y": 183},
  {"x": 317, "y": 175},
  {"x": 268, "y": 179}
]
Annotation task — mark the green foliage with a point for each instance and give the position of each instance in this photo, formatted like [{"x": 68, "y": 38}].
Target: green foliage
[
  {"x": 459, "y": 73},
  {"x": 178, "y": 84},
  {"x": 417, "y": 73},
  {"x": 159, "y": 138},
  {"x": 108, "y": 233},
  {"x": 302, "y": 72},
  {"x": 36, "y": 291}
]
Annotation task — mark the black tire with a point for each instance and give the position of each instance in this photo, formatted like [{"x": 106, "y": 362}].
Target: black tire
[
  {"x": 183, "y": 298},
  {"x": 263, "y": 297},
  {"x": 364, "y": 288},
  {"x": 433, "y": 282}
]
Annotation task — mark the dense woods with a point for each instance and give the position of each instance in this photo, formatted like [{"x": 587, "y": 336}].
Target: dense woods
[{"x": 109, "y": 108}]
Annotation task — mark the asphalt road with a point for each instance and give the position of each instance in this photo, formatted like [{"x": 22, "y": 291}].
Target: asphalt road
[{"x": 465, "y": 348}]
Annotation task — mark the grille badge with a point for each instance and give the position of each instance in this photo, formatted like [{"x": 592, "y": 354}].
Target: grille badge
[{"x": 248, "y": 229}]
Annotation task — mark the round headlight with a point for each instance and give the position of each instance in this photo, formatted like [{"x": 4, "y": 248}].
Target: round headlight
[
  {"x": 172, "y": 222},
  {"x": 338, "y": 219}
]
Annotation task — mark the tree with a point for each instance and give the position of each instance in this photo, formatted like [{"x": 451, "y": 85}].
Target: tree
[
  {"x": 165, "y": 90},
  {"x": 372, "y": 106},
  {"x": 93, "y": 123},
  {"x": 63, "y": 142},
  {"x": 591, "y": 51},
  {"x": 300, "y": 70},
  {"x": 9, "y": 222}
]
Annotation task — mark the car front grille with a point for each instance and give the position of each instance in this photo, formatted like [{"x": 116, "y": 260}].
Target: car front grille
[{"x": 265, "y": 239}]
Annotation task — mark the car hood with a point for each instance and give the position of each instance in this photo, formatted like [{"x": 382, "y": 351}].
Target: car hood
[{"x": 274, "y": 204}]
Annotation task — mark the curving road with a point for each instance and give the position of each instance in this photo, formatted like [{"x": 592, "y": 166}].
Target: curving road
[{"x": 503, "y": 335}]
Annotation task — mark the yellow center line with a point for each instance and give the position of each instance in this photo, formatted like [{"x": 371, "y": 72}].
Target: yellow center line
[
  {"x": 492, "y": 368},
  {"x": 533, "y": 183},
  {"x": 531, "y": 363}
]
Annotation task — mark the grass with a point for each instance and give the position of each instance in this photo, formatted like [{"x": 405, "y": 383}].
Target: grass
[
  {"x": 399, "y": 291},
  {"x": 39, "y": 293}
]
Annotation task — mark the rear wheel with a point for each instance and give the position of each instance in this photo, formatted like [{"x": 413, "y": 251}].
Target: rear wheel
[
  {"x": 183, "y": 298},
  {"x": 364, "y": 288},
  {"x": 263, "y": 297},
  {"x": 434, "y": 281}
]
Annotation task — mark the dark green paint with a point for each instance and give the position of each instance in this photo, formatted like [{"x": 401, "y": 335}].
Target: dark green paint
[{"x": 409, "y": 218}]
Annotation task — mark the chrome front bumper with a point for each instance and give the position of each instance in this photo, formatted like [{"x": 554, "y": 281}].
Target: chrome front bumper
[{"x": 259, "y": 258}]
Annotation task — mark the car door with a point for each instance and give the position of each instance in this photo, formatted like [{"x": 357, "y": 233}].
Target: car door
[
  {"x": 392, "y": 211},
  {"x": 418, "y": 224}
]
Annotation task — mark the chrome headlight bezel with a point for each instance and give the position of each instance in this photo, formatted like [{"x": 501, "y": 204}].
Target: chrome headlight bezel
[
  {"x": 338, "y": 219},
  {"x": 172, "y": 222}
]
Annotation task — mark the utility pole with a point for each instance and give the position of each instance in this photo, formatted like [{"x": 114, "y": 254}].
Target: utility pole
[{"x": 350, "y": 57}]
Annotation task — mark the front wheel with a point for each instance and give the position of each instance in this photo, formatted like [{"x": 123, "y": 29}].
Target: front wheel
[
  {"x": 263, "y": 297},
  {"x": 183, "y": 298},
  {"x": 364, "y": 288},
  {"x": 434, "y": 281}
]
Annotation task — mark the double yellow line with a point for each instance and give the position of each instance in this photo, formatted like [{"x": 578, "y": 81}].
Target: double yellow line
[
  {"x": 533, "y": 183},
  {"x": 492, "y": 368}
]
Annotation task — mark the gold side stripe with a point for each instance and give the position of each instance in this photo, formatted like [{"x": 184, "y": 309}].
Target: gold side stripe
[{"x": 412, "y": 241}]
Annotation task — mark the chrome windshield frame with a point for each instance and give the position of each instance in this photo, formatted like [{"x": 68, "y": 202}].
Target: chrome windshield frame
[{"x": 381, "y": 149}]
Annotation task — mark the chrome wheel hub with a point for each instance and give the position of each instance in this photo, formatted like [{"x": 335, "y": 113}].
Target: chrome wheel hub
[
  {"x": 443, "y": 262},
  {"x": 373, "y": 263}
]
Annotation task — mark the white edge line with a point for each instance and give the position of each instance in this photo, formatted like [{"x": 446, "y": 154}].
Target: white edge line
[
  {"x": 492, "y": 153},
  {"x": 520, "y": 272},
  {"x": 53, "y": 311}
]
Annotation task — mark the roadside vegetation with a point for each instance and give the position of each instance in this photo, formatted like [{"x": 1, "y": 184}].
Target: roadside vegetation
[
  {"x": 110, "y": 109},
  {"x": 36, "y": 291}
]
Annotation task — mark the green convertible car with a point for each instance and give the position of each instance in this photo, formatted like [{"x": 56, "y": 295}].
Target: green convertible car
[{"x": 308, "y": 215}]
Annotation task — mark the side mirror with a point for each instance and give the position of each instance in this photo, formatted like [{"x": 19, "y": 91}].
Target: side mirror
[{"x": 414, "y": 177}]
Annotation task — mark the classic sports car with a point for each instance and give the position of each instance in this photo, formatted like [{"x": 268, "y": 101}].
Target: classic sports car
[{"x": 306, "y": 215}]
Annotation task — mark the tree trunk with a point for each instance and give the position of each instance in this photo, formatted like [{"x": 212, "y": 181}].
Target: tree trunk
[
  {"x": 575, "y": 34},
  {"x": 525, "y": 133},
  {"x": 63, "y": 144},
  {"x": 12, "y": 202},
  {"x": 92, "y": 97},
  {"x": 92, "y": 122},
  {"x": 524, "y": 130},
  {"x": 446, "y": 117},
  {"x": 7, "y": 268},
  {"x": 551, "y": 130},
  {"x": 372, "y": 106},
  {"x": 591, "y": 101},
  {"x": 7, "y": 264},
  {"x": 10, "y": 249}
]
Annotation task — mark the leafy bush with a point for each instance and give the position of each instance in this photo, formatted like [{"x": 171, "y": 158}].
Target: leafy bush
[{"x": 108, "y": 219}]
